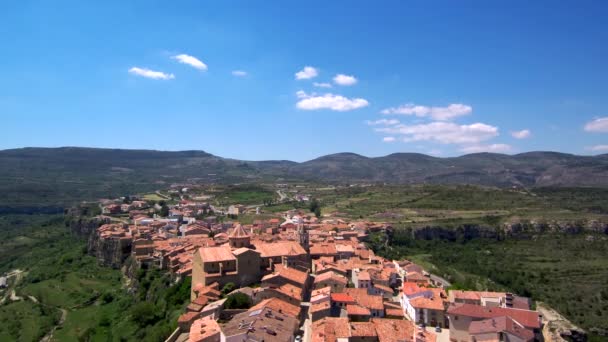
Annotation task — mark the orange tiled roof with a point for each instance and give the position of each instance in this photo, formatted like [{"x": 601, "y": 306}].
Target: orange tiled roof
[{"x": 216, "y": 254}]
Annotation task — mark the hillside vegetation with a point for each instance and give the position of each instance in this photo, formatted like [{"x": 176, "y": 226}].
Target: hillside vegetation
[
  {"x": 59, "y": 279},
  {"x": 59, "y": 176}
]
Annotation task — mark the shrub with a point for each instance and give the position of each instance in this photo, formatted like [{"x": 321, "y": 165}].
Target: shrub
[{"x": 237, "y": 301}]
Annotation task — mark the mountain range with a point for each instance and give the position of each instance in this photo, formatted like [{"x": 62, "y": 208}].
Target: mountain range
[{"x": 49, "y": 175}]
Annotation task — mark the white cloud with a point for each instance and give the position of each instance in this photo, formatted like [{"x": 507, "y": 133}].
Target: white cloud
[
  {"x": 239, "y": 73},
  {"x": 156, "y": 75},
  {"x": 345, "y": 80},
  {"x": 322, "y": 85},
  {"x": 191, "y": 61},
  {"x": 388, "y": 139},
  {"x": 384, "y": 122},
  {"x": 495, "y": 148},
  {"x": 307, "y": 73},
  {"x": 523, "y": 134},
  {"x": 328, "y": 101},
  {"x": 452, "y": 111},
  {"x": 597, "y": 125},
  {"x": 598, "y": 148},
  {"x": 443, "y": 132}
]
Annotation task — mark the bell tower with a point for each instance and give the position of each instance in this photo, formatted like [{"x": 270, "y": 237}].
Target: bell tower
[{"x": 303, "y": 237}]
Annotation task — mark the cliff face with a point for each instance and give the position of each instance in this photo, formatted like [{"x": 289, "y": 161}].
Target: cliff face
[
  {"x": 84, "y": 227},
  {"x": 109, "y": 252},
  {"x": 517, "y": 230}
]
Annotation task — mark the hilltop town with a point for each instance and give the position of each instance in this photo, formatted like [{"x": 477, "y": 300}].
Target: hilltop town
[{"x": 296, "y": 276}]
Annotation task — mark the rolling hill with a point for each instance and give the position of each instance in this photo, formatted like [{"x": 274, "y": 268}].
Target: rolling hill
[{"x": 55, "y": 176}]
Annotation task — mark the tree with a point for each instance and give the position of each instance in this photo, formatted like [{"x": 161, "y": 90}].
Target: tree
[
  {"x": 229, "y": 287},
  {"x": 143, "y": 313},
  {"x": 314, "y": 205},
  {"x": 164, "y": 211},
  {"x": 318, "y": 212},
  {"x": 237, "y": 301}
]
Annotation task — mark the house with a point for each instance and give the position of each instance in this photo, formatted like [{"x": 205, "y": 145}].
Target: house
[
  {"x": 371, "y": 302},
  {"x": 482, "y": 298},
  {"x": 362, "y": 279},
  {"x": 236, "y": 209},
  {"x": 287, "y": 275},
  {"x": 331, "y": 329},
  {"x": 500, "y": 329},
  {"x": 205, "y": 330},
  {"x": 111, "y": 209},
  {"x": 461, "y": 316},
  {"x": 319, "y": 310},
  {"x": 224, "y": 265},
  {"x": 289, "y": 253},
  {"x": 335, "y": 281},
  {"x": 279, "y": 306},
  {"x": 260, "y": 324},
  {"x": 341, "y": 300},
  {"x": 430, "y": 310}
]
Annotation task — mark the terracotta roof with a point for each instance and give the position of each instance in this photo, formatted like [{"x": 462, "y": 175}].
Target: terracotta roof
[
  {"x": 501, "y": 324},
  {"x": 329, "y": 329},
  {"x": 261, "y": 324},
  {"x": 383, "y": 288},
  {"x": 357, "y": 310},
  {"x": 320, "y": 306},
  {"x": 277, "y": 249},
  {"x": 288, "y": 273},
  {"x": 364, "y": 299},
  {"x": 216, "y": 254},
  {"x": 278, "y": 305},
  {"x": 330, "y": 276},
  {"x": 342, "y": 297},
  {"x": 362, "y": 329},
  {"x": 188, "y": 317},
  {"x": 475, "y": 295},
  {"x": 529, "y": 319},
  {"x": 364, "y": 275},
  {"x": 392, "y": 330},
  {"x": 239, "y": 232},
  {"x": 289, "y": 290},
  {"x": 433, "y": 303},
  {"x": 203, "y": 329},
  {"x": 323, "y": 249}
]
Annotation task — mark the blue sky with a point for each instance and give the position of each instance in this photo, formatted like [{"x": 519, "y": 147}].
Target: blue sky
[{"x": 436, "y": 77}]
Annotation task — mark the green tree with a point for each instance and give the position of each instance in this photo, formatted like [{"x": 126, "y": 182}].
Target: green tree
[
  {"x": 143, "y": 313},
  {"x": 318, "y": 212},
  {"x": 164, "y": 211},
  {"x": 229, "y": 287},
  {"x": 238, "y": 301}
]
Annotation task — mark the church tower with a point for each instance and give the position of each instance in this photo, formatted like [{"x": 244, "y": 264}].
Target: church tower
[
  {"x": 303, "y": 237},
  {"x": 239, "y": 237}
]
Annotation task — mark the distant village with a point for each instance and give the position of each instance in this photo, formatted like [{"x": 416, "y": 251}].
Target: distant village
[{"x": 307, "y": 278}]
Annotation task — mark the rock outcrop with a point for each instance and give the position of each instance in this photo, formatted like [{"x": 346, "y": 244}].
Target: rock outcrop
[
  {"x": 518, "y": 230},
  {"x": 111, "y": 252}
]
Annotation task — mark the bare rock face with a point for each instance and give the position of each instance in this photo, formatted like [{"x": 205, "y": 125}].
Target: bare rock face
[
  {"x": 109, "y": 252},
  {"x": 557, "y": 327},
  {"x": 84, "y": 227},
  {"x": 517, "y": 230}
]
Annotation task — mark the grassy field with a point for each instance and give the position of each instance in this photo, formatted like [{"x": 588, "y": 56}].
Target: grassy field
[
  {"x": 426, "y": 204},
  {"x": 243, "y": 194}
]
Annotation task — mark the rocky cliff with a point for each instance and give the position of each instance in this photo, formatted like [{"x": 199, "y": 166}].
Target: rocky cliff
[
  {"x": 520, "y": 230},
  {"x": 111, "y": 252}
]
